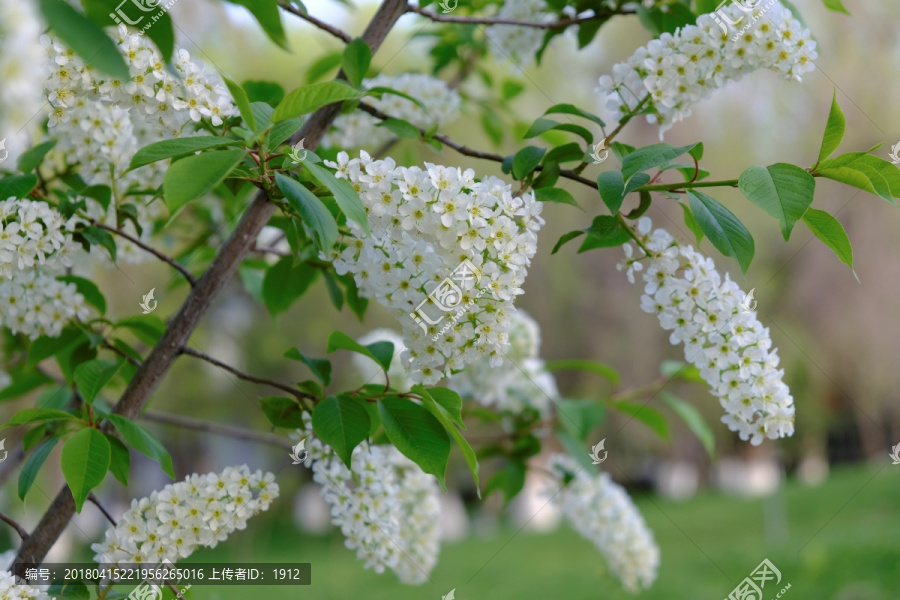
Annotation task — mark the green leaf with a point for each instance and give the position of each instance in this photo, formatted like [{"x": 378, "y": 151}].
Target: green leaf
[
  {"x": 31, "y": 158},
  {"x": 91, "y": 376},
  {"x": 658, "y": 21},
  {"x": 541, "y": 125},
  {"x": 242, "y": 102},
  {"x": 836, "y": 6},
  {"x": 691, "y": 222},
  {"x": 401, "y": 128},
  {"x": 320, "y": 367},
  {"x": 448, "y": 402},
  {"x": 650, "y": 417},
  {"x": 100, "y": 237},
  {"x": 282, "y": 131},
  {"x": 85, "y": 460},
  {"x": 676, "y": 369},
  {"x": 39, "y": 415},
  {"x": 23, "y": 382},
  {"x": 147, "y": 328},
  {"x": 576, "y": 449},
  {"x": 268, "y": 16},
  {"x": 580, "y": 417},
  {"x": 723, "y": 229},
  {"x": 525, "y": 161},
  {"x": 446, "y": 406},
  {"x": 693, "y": 419},
  {"x": 84, "y": 37},
  {"x": 143, "y": 441},
  {"x": 310, "y": 98},
  {"x": 283, "y": 412},
  {"x": 158, "y": 27},
  {"x": 355, "y": 61},
  {"x": 33, "y": 465},
  {"x": 285, "y": 283},
  {"x": 379, "y": 90},
  {"x": 177, "y": 147},
  {"x": 417, "y": 434},
  {"x": 830, "y": 231},
  {"x": 649, "y": 157},
  {"x": 17, "y": 185},
  {"x": 341, "y": 422},
  {"x": 119, "y": 459},
  {"x": 834, "y": 130},
  {"x": 784, "y": 191},
  {"x": 34, "y": 435},
  {"x": 604, "y": 232},
  {"x": 566, "y": 238},
  {"x": 612, "y": 189},
  {"x": 570, "y": 109},
  {"x": 510, "y": 480},
  {"x": 551, "y": 194},
  {"x": 381, "y": 352},
  {"x": 267, "y": 92},
  {"x": 100, "y": 193},
  {"x": 88, "y": 289},
  {"x": 311, "y": 209},
  {"x": 194, "y": 176},
  {"x": 601, "y": 369},
  {"x": 322, "y": 66},
  {"x": 344, "y": 194},
  {"x": 864, "y": 171}
]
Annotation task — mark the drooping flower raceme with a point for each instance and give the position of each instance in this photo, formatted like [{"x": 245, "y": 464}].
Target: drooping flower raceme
[
  {"x": 516, "y": 43},
  {"x": 601, "y": 511},
  {"x": 359, "y": 129},
  {"x": 520, "y": 382},
  {"x": 724, "y": 340},
  {"x": 391, "y": 516},
  {"x": 32, "y": 234},
  {"x": 10, "y": 590},
  {"x": 34, "y": 303},
  {"x": 446, "y": 254},
  {"x": 679, "y": 70},
  {"x": 21, "y": 78},
  {"x": 200, "y": 511}
]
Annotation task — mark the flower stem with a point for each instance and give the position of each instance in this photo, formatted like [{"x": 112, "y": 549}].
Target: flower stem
[{"x": 680, "y": 187}]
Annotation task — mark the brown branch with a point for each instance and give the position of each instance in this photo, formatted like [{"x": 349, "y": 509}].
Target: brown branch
[
  {"x": 300, "y": 395},
  {"x": 127, "y": 357},
  {"x": 93, "y": 500},
  {"x": 561, "y": 23},
  {"x": 274, "y": 251},
  {"x": 220, "y": 272},
  {"x": 166, "y": 259},
  {"x": 345, "y": 37},
  {"x": 240, "y": 433},
  {"x": 11, "y": 522}
]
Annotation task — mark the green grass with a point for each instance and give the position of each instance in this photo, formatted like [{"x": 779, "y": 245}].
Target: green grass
[{"x": 841, "y": 542}]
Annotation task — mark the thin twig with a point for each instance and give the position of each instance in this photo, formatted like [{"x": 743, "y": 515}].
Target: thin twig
[
  {"x": 127, "y": 357},
  {"x": 11, "y": 522},
  {"x": 274, "y": 251},
  {"x": 93, "y": 500},
  {"x": 246, "y": 376},
  {"x": 240, "y": 433},
  {"x": 561, "y": 23},
  {"x": 166, "y": 259},
  {"x": 345, "y": 37}
]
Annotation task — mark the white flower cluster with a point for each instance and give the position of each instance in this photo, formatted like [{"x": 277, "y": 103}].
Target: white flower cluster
[
  {"x": 680, "y": 70},
  {"x": 10, "y": 590},
  {"x": 32, "y": 234},
  {"x": 726, "y": 342},
  {"x": 440, "y": 242},
  {"x": 514, "y": 42},
  {"x": 389, "y": 515},
  {"x": 200, "y": 511},
  {"x": 34, "y": 303},
  {"x": 520, "y": 382},
  {"x": 359, "y": 129},
  {"x": 601, "y": 511},
  {"x": 21, "y": 77}
]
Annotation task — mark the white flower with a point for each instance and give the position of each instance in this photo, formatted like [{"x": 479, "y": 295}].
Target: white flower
[
  {"x": 32, "y": 234},
  {"x": 387, "y": 508},
  {"x": 200, "y": 511},
  {"x": 680, "y": 70},
  {"x": 600, "y": 511},
  {"x": 425, "y": 242},
  {"x": 10, "y": 590},
  {"x": 729, "y": 346},
  {"x": 516, "y": 43}
]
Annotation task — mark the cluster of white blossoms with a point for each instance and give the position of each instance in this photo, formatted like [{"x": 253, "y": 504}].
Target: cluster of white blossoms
[
  {"x": 10, "y": 590},
  {"x": 200, "y": 511},
  {"x": 21, "y": 78},
  {"x": 514, "y": 42},
  {"x": 601, "y": 511},
  {"x": 440, "y": 243},
  {"x": 521, "y": 382},
  {"x": 724, "y": 340},
  {"x": 359, "y": 129},
  {"x": 679, "y": 70},
  {"x": 33, "y": 234},
  {"x": 387, "y": 508},
  {"x": 34, "y": 303}
]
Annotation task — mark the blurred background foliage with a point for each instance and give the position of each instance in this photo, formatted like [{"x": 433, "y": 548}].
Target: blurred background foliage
[{"x": 830, "y": 530}]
